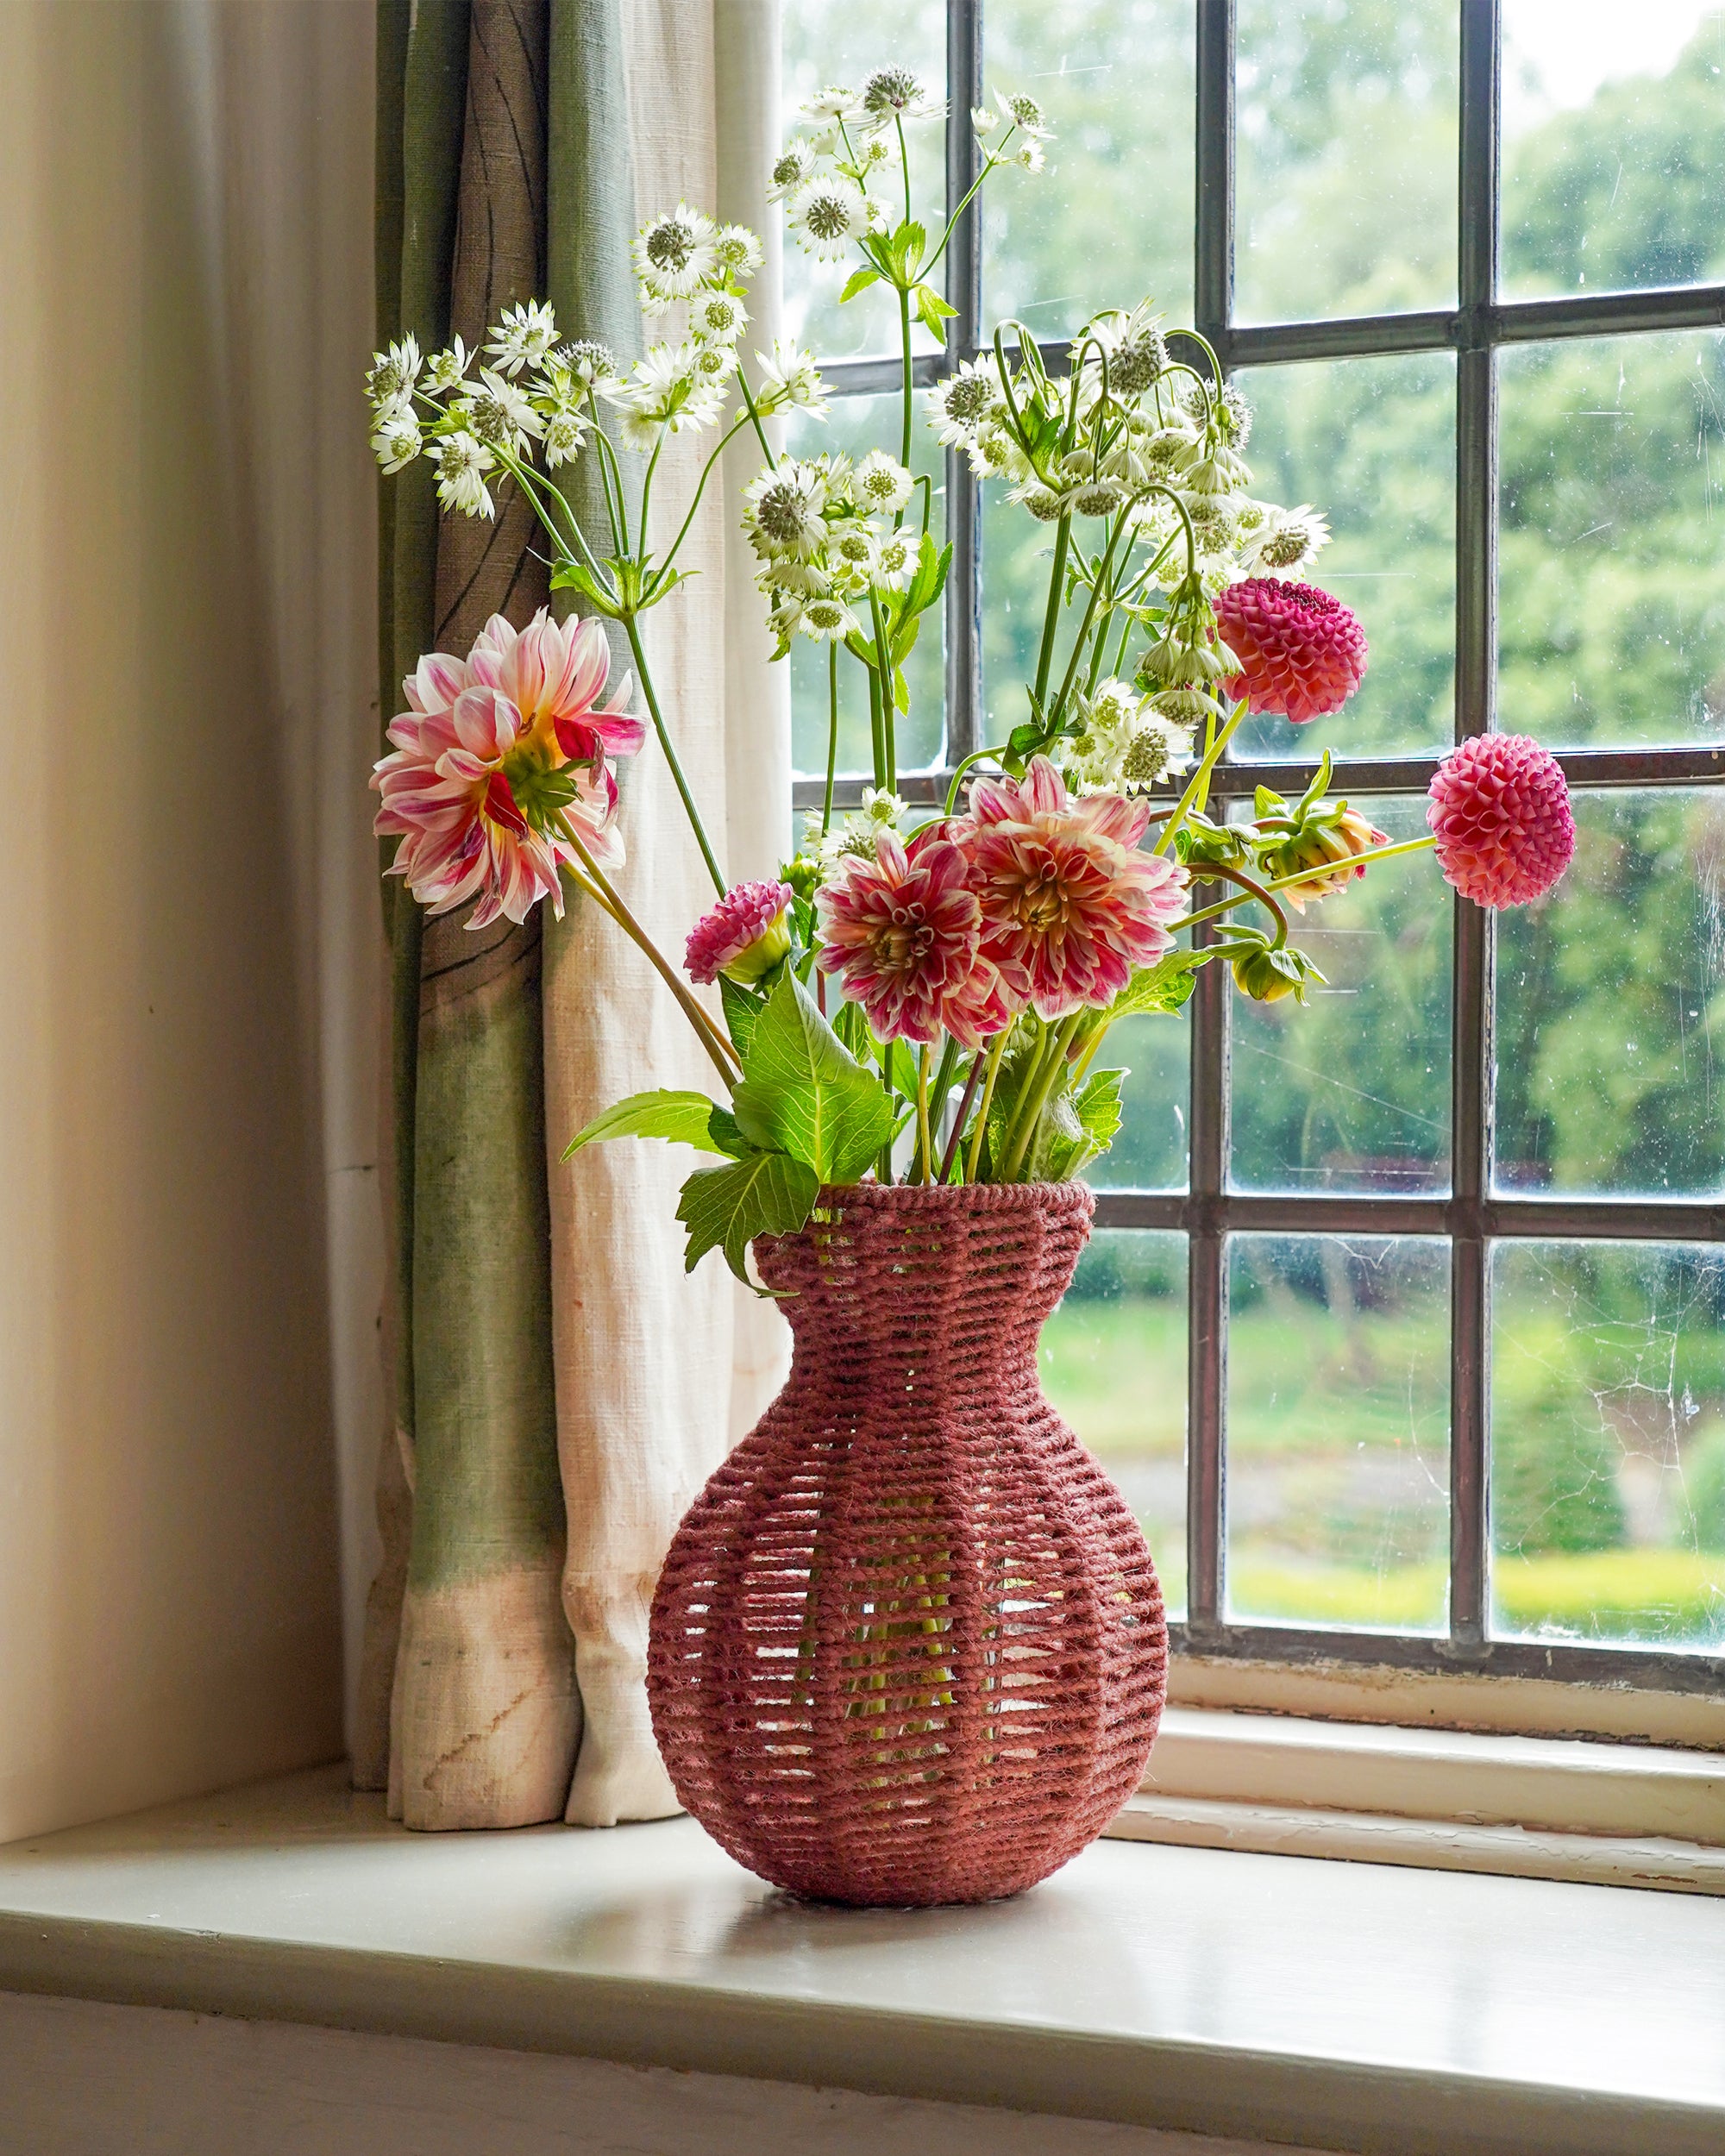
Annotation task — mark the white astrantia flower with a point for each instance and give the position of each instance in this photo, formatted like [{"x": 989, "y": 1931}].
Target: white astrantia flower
[
  {"x": 715, "y": 364},
  {"x": 790, "y": 377},
  {"x": 881, "y": 484},
  {"x": 805, "y": 579},
  {"x": 393, "y": 374},
  {"x": 795, "y": 166},
  {"x": 1029, "y": 155},
  {"x": 850, "y": 549},
  {"x": 564, "y": 437},
  {"x": 498, "y": 413},
  {"x": 828, "y": 620},
  {"x": 462, "y": 463},
  {"x": 829, "y": 216},
  {"x": 782, "y": 509},
  {"x": 895, "y": 93},
  {"x": 1024, "y": 114},
  {"x": 676, "y": 254},
  {"x": 1137, "y": 354},
  {"x": 895, "y": 563},
  {"x": 739, "y": 250},
  {"x": 883, "y": 808},
  {"x": 395, "y": 440},
  {"x": 446, "y": 371},
  {"x": 523, "y": 336},
  {"x": 1215, "y": 529},
  {"x": 587, "y": 359},
  {"x": 957, "y": 406},
  {"x": 1228, "y": 416},
  {"x": 1217, "y": 469},
  {"x": 719, "y": 316},
  {"x": 1158, "y": 750},
  {"x": 1290, "y": 538},
  {"x": 833, "y": 105}
]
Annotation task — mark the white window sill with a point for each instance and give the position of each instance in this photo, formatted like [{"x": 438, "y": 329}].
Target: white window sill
[{"x": 1342, "y": 2006}]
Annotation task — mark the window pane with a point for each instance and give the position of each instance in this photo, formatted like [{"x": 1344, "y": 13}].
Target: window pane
[
  {"x": 1352, "y": 1091},
  {"x": 1371, "y": 442},
  {"x": 1113, "y": 1363},
  {"x": 1346, "y": 158},
  {"x": 1338, "y": 1430},
  {"x": 1608, "y": 994},
  {"x": 1112, "y": 221},
  {"x": 1607, "y": 1442},
  {"x": 1613, "y": 154},
  {"x": 855, "y": 425},
  {"x": 826, "y": 42},
  {"x": 1149, "y": 1153},
  {"x": 1613, "y": 606}
]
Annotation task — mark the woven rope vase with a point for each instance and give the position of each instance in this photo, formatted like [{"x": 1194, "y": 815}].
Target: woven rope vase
[{"x": 908, "y": 1645}]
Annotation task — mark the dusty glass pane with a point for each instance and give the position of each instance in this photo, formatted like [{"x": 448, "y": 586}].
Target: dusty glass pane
[
  {"x": 1607, "y": 1442},
  {"x": 1612, "y": 602},
  {"x": 825, "y": 41},
  {"x": 1113, "y": 1363},
  {"x": 1352, "y": 1091},
  {"x": 1371, "y": 442},
  {"x": 1346, "y": 158},
  {"x": 1149, "y": 1153},
  {"x": 1613, "y": 146},
  {"x": 1111, "y": 223},
  {"x": 1610, "y": 1010},
  {"x": 1338, "y": 1430},
  {"x": 855, "y": 425}
]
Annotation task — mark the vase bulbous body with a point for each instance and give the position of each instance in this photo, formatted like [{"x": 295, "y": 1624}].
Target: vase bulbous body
[{"x": 908, "y": 1645}]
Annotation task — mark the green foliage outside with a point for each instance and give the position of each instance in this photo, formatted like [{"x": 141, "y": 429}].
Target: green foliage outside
[{"x": 1609, "y": 1397}]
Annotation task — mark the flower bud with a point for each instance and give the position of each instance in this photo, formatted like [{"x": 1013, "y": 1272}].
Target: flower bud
[
  {"x": 1329, "y": 843},
  {"x": 1266, "y": 975},
  {"x": 745, "y": 936}
]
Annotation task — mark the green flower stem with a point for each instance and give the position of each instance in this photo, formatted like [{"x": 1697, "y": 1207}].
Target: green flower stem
[
  {"x": 755, "y": 419},
  {"x": 883, "y": 1169},
  {"x": 1300, "y": 876},
  {"x": 668, "y": 563},
  {"x": 647, "y": 484},
  {"x": 1102, "y": 568},
  {"x": 993, "y": 1072},
  {"x": 1199, "y": 781},
  {"x": 964, "y": 1101},
  {"x": 876, "y": 728},
  {"x": 659, "y": 727},
  {"x": 529, "y": 482},
  {"x": 976, "y": 755},
  {"x": 595, "y": 883},
  {"x": 1044, "y": 657},
  {"x": 888, "y": 700},
  {"x": 1029, "y": 1114},
  {"x": 607, "y": 452},
  {"x": 923, "y": 1148},
  {"x": 831, "y": 734},
  {"x": 938, "y": 1091}
]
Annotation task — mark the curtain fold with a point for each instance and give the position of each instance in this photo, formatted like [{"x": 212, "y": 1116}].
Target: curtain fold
[{"x": 563, "y": 1388}]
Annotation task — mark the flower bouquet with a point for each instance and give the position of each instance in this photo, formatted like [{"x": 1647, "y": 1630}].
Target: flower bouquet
[{"x": 908, "y": 1645}]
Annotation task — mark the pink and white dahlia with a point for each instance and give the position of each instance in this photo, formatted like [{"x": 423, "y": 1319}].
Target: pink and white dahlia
[
  {"x": 466, "y": 788},
  {"x": 902, "y": 936},
  {"x": 1070, "y": 905},
  {"x": 743, "y": 937},
  {"x": 555, "y": 674},
  {"x": 1500, "y": 808},
  {"x": 1301, "y": 652}
]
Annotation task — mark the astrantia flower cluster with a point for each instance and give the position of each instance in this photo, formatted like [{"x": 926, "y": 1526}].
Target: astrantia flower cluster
[
  {"x": 829, "y": 536},
  {"x": 500, "y": 775}
]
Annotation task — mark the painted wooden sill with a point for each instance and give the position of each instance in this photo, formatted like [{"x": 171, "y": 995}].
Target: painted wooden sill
[
  {"x": 1343, "y": 2006},
  {"x": 1533, "y": 1807}
]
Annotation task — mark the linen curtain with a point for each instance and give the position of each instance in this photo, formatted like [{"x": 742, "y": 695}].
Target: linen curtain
[{"x": 562, "y": 1388}]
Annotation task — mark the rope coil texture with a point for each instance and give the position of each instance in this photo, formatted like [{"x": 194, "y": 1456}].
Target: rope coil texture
[{"x": 908, "y": 1646}]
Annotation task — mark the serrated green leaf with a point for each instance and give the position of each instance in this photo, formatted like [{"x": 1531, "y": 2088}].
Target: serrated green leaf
[
  {"x": 1163, "y": 986},
  {"x": 1078, "y": 1128},
  {"x": 805, "y": 1093},
  {"x": 859, "y": 281},
  {"x": 742, "y": 1010},
  {"x": 853, "y": 1030},
  {"x": 682, "y": 1117},
  {"x": 726, "y": 1137},
  {"x": 726, "y": 1208},
  {"x": 901, "y": 690}
]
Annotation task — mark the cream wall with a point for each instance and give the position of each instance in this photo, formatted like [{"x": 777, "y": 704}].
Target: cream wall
[{"x": 188, "y": 1048}]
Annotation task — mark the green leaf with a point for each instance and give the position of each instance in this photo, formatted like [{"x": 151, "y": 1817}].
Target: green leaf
[
  {"x": 901, "y": 689},
  {"x": 726, "y": 1208},
  {"x": 859, "y": 281},
  {"x": 805, "y": 1093},
  {"x": 1077, "y": 1128},
  {"x": 726, "y": 1137},
  {"x": 682, "y": 1117},
  {"x": 575, "y": 576},
  {"x": 1163, "y": 986},
  {"x": 742, "y": 1012},
  {"x": 932, "y": 310},
  {"x": 853, "y": 1030}
]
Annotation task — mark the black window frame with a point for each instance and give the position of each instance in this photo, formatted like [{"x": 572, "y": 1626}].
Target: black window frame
[{"x": 1473, "y": 1216}]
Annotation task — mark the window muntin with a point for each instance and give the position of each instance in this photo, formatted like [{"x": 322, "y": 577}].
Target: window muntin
[{"x": 1458, "y": 682}]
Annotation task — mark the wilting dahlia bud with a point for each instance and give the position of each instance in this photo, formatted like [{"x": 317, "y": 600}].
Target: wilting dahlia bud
[
  {"x": 1301, "y": 652},
  {"x": 743, "y": 937},
  {"x": 1500, "y": 808},
  {"x": 1329, "y": 845},
  {"x": 1266, "y": 973}
]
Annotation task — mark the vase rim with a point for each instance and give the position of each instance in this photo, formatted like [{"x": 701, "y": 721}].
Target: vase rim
[{"x": 1041, "y": 1197}]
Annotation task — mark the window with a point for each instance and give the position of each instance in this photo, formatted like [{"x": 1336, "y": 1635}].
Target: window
[{"x": 1434, "y": 1265}]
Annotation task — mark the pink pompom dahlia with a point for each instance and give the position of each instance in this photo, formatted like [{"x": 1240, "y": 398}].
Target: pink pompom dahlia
[
  {"x": 1301, "y": 652},
  {"x": 743, "y": 937},
  {"x": 464, "y": 788},
  {"x": 1500, "y": 809},
  {"x": 1070, "y": 905},
  {"x": 903, "y": 937}
]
